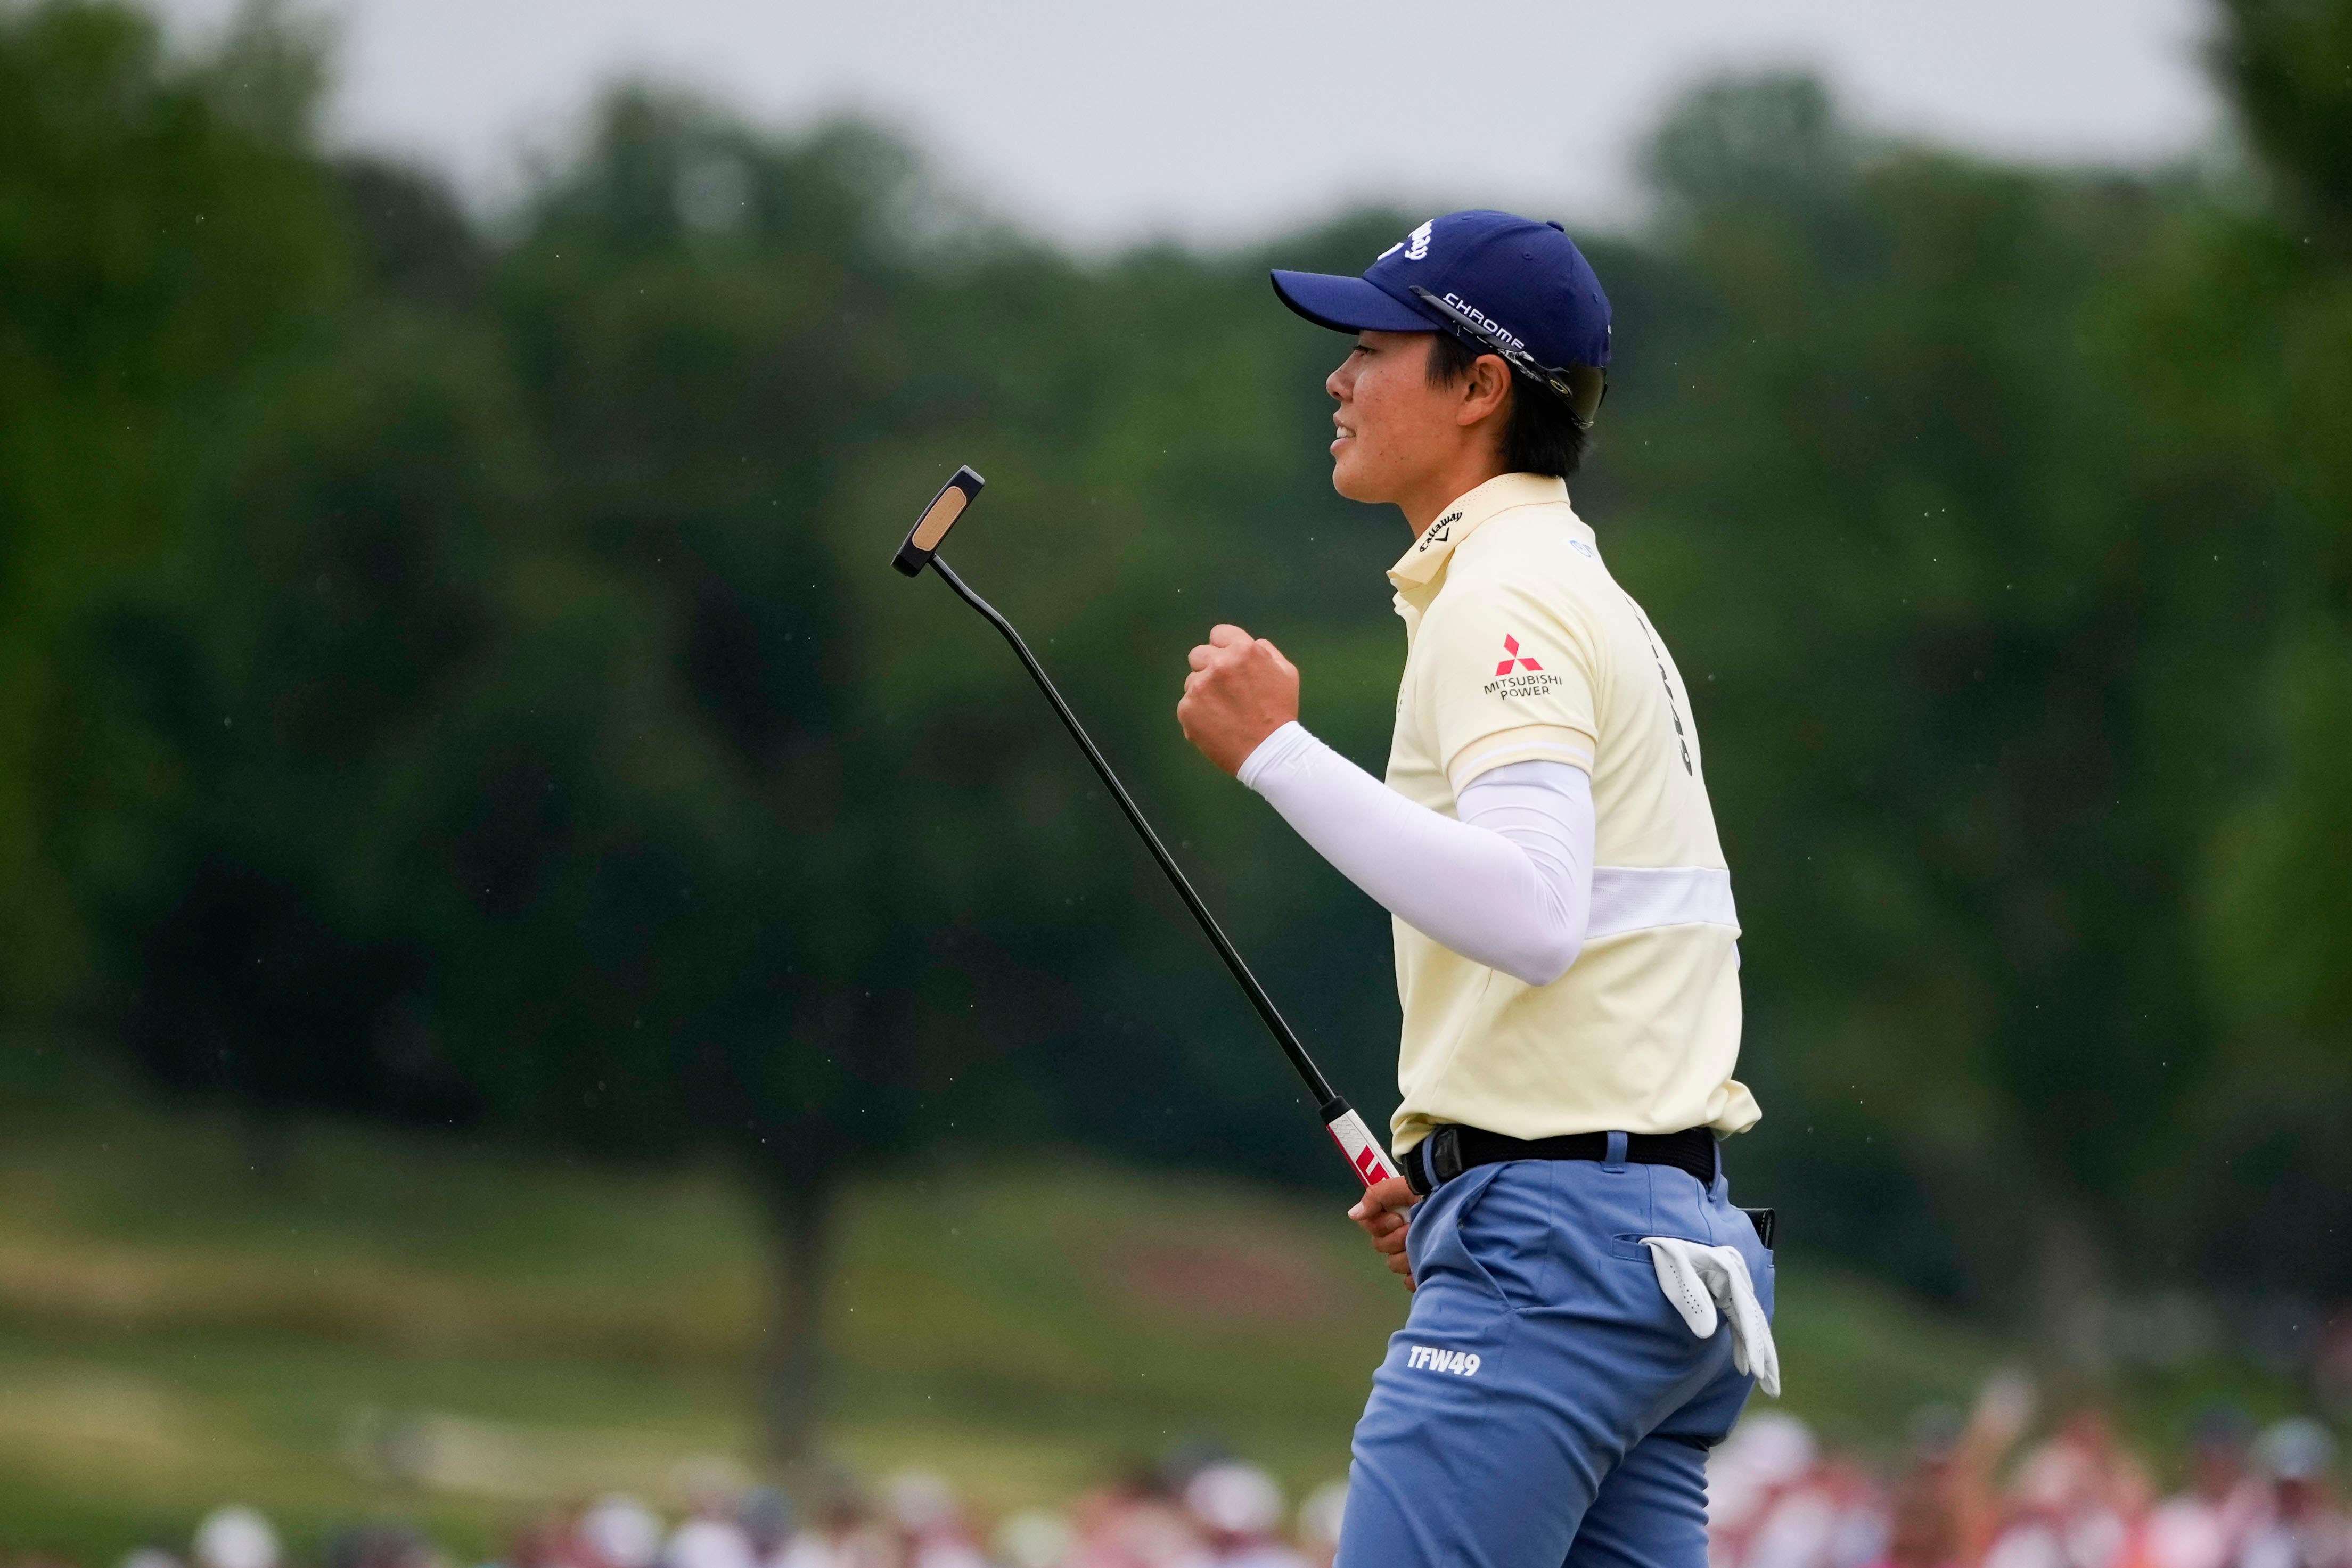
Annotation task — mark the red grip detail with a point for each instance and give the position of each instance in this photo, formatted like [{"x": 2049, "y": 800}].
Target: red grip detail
[{"x": 1365, "y": 1156}]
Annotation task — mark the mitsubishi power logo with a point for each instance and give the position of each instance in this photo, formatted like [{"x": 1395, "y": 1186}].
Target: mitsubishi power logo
[
  {"x": 1511, "y": 656},
  {"x": 1519, "y": 675}
]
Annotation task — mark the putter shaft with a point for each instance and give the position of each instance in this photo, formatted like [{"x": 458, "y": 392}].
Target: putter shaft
[{"x": 1347, "y": 1128}]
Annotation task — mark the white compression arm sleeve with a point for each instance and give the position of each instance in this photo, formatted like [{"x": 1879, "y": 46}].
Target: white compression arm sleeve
[{"x": 1508, "y": 884}]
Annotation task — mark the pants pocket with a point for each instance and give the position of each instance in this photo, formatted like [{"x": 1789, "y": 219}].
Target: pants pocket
[
  {"x": 1492, "y": 1235},
  {"x": 1625, "y": 1244}
]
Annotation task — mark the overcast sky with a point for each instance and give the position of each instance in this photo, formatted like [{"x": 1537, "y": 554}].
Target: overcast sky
[{"x": 1102, "y": 121}]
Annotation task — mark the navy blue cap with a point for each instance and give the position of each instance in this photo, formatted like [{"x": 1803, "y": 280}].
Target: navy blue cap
[{"x": 1504, "y": 283}]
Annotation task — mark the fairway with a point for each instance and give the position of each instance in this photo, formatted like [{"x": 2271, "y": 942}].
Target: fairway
[{"x": 409, "y": 1328}]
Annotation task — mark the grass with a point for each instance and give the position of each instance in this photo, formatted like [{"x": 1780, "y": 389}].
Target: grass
[{"x": 411, "y": 1327}]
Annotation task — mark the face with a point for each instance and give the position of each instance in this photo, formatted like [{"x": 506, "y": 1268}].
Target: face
[{"x": 1394, "y": 428}]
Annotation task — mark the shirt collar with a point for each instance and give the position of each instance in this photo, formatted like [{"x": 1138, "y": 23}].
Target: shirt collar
[{"x": 1428, "y": 554}]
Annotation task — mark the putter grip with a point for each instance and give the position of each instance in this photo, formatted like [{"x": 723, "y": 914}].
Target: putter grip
[{"x": 1365, "y": 1155}]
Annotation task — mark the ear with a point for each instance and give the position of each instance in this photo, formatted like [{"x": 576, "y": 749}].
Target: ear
[{"x": 1485, "y": 389}]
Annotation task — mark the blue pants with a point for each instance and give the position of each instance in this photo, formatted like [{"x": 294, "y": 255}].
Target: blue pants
[{"x": 1543, "y": 1405}]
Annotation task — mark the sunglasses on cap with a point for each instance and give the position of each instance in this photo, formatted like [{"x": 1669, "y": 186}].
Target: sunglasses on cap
[{"x": 1582, "y": 386}]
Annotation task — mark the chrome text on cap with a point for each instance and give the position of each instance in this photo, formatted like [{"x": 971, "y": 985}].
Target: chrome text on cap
[{"x": 1480, "y": 318}]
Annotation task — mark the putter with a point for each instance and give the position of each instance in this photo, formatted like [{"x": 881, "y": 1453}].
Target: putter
[{"x": 1362, "y": 1151}]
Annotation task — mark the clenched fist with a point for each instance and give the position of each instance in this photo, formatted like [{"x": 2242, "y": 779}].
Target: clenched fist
[{"x": 1241, "y": 690}]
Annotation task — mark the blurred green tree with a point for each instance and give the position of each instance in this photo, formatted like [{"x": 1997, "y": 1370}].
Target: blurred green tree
[
  {"x": 167, "y": 240},
  {"x": 2287, "y": 66},
  {"x": 1884, "y": 483},
  {"x": 2245, "y": 334},
  {"x": 2258, "y": 326},
  {"x": 480, "y": 762}
]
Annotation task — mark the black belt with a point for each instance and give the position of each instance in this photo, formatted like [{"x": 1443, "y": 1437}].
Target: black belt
[{"x": 1451, "y": 1149}]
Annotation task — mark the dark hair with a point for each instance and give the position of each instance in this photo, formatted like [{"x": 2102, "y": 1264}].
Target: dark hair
[{"x": 1541, "y": 437}]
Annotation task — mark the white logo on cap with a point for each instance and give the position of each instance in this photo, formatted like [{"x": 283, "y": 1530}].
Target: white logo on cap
[{"x": 1415, "y": 245}]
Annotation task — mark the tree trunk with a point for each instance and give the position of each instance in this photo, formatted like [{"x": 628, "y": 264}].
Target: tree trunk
[
  {"x": 801, "y": 1211},
  {"x": 2070, "y": 1301}
]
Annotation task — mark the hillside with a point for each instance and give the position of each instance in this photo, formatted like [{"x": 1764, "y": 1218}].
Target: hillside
[{"x": 389, "y": 1326}]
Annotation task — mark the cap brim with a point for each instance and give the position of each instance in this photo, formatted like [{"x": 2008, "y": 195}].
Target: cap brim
[{"x": 1348, "y": 304}]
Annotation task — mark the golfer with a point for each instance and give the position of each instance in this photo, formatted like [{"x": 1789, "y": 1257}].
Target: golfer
[{"x": 1589, "y": 1310}]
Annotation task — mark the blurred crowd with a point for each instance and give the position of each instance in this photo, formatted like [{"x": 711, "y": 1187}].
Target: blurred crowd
[
  {"x": 1195, "y": 1510},
  {"x": 1967, "y": 1493},
  {"x": 1965, "y": 1496}
]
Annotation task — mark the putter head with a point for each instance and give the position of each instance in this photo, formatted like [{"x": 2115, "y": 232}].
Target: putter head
[{"x": 923, "y": 540}]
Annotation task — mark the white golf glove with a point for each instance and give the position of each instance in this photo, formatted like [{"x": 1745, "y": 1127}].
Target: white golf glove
[{"x": 1708, "y": 1284}]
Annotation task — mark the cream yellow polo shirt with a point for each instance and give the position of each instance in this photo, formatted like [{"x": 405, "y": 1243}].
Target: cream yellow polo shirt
[{"x": 1519, "y": 646}]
